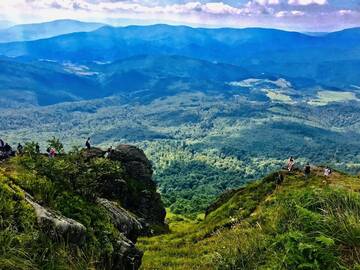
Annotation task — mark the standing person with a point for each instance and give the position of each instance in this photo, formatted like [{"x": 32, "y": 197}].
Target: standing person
[
  {"x": 2, "y": 144},
  {"x": 48, "y": 151},
  {"x": 20, "y": 149},
  {"x": 280, "y": 178},
  {"x": 52, "y": 153},
  {"x": 307, "y": 171},
  {"x": 87, "y": 144},
  {"x": 37, "y": 148},
  {"x": 7, "y": 148},
  {"x": 291, "y": 164}
]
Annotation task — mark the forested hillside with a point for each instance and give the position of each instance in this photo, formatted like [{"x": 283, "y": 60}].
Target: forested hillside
[{"x": 201, "y": 145}]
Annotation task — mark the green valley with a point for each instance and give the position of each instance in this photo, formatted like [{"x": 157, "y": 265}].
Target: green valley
[{"x": 200, "y": 144}]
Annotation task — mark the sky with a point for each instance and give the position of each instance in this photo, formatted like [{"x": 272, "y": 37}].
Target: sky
[{"x": 297, "y": 15}]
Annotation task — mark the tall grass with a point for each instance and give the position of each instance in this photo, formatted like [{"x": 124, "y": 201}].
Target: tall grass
[{"x": 303, "y": 229}]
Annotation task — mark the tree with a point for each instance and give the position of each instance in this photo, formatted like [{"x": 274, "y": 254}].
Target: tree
[{"x": 56, "y": 144}]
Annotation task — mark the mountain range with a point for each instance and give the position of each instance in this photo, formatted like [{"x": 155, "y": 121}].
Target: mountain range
[
  {"x": 26, "y": 32},
  {"x": 330, "y": 59}
]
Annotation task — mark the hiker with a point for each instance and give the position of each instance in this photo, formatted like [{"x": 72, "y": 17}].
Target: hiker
[
  {"x": 20, "y": 149},
  {"x": 327, "y": 172},
  {"x": 2, "y": 144},
  {"x": 307, "y": 171},
  {"x": 37, "y": 148},
  {"x": 7, "y": 148},
  {"x": 52, "y": 153},
  {"x": 279, "y": 179},
  {"x": 108, "y": 152},
  {"x": 87, "y": 144},
  {"x": 291, "y": 164}
]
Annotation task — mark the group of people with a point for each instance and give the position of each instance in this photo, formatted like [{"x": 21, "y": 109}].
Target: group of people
[
  {"x": 307, "y": 168},
  {"x": 5, "y": 150}
]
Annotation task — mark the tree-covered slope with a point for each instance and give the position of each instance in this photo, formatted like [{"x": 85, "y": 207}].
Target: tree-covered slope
[
  {"x": 294, "y": 224},
  {"x": 78, "y": 210},
  {"x": 202, "y": 144}
]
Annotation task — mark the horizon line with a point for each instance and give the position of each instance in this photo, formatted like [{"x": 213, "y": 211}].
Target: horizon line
[{"x": 147, "y": 23}]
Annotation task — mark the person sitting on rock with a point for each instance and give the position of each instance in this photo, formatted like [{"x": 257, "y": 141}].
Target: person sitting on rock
[
  {"x": 87, "y": 144},
  {"x": 109, "y": 152},
  {"x": 291, "y": 164},
  {"x": 307, "y": 171},
  {"x": 327, "y": 172}
]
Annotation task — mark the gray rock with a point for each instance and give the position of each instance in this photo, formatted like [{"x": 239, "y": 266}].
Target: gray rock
[
  {"x": 124, "y": 221},
  {"x": 56, "y": 225},
  {"x": 127, "y": 256}
]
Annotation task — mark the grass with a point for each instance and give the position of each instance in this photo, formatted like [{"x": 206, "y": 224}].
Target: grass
[
  {"x": 326, "y": 97},
  {"x": 275, "y": 96},
  {"x": 299, "y": 224}
]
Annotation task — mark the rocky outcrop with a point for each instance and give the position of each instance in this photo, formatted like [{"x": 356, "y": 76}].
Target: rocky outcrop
[
  {"x": 127, "y": 256},
  {"x": 135, "y": 189},
  {"x": 56, "y": 225},
  {"x": 148, "y": 204},
  {"x": 135, "y": 162},
  {"x": 123, "y": 220}
]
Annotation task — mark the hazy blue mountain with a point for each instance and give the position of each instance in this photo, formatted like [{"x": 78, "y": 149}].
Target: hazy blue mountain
[
  {"x": 109, "y": 43},
  {"x": 26, "y": 32},
  {"x": 257, "y": 50},
  {"x": 141, "y": 78}
]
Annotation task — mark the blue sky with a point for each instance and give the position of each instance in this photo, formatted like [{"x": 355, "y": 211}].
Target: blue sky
[{"x": 299, "y": 15}]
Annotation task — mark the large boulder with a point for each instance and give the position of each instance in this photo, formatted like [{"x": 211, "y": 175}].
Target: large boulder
[
  {"x": 151, "y": 208},
  {"x": 57, "y": 226},
  {"x": 124, "y": 221},
  {"x": 126, "y": 255},
  {"x": 136, "y": 163},
  {"x": 135, "y": 189}
]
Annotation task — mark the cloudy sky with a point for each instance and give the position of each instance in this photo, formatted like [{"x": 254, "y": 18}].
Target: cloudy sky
[{"x": 301, "y": 15}]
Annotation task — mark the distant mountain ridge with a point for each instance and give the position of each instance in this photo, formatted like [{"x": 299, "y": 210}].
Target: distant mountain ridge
[
  {"x": 255, "y": 49},
  {"x": 28, "y": 32}
]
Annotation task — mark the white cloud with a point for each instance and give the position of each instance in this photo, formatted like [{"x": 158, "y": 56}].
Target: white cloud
[
  {"x": 307, "y": 2},
  {"x": 344, "y": 12},
  {"x": 268, "y": 2},
  {"x": 291, "y": 13}
]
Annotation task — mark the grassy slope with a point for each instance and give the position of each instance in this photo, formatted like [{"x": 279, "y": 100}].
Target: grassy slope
[
  {"x": 297, "y": 225},
  {"x": 23, "y": 245}
]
